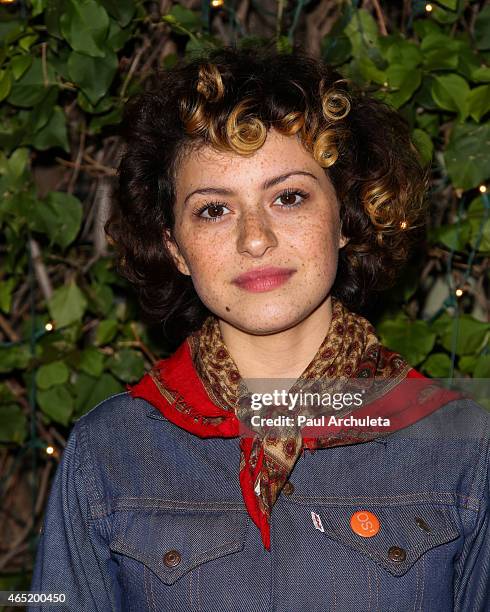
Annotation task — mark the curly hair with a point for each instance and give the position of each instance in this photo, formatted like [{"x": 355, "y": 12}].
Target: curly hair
[{"x": 229, "y": 99}]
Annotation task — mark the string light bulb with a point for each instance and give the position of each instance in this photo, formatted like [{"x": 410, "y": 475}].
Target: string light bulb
[
  {"x": 428, "y": 7},
  {"x": 7, "y": 1},
  {"x": 48, "y": 327},
  {"x": 217, "y": 3},
  {"x": 458, "y": 292},
  {"x": 403, "y": 225},
  {"x": 482, "y": 188},
  {"x": 49, "y": 450}
]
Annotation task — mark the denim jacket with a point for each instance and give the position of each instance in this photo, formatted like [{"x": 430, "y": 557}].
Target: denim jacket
[{"x": 143, "y": 516}]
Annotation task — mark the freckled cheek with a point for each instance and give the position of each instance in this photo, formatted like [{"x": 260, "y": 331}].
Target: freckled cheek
[
  {"x": 205, "y": 262},
  {"x": 317, "y": 240}
]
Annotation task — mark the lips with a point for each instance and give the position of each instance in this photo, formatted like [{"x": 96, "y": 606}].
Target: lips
[{"x": 263, "y": 279}]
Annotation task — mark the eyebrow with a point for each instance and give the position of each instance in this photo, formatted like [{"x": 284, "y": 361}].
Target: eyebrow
[{"x": 265, "y": 185}]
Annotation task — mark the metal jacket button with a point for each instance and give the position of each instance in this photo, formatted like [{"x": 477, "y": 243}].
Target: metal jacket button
[
  {"x": 395, "y": 553},
  {"x": 288, "y": 488},
  {"x": 172, "y": 558}
]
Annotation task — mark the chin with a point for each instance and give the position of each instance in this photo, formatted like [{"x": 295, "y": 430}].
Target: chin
[{"x": 262, "y": 324}]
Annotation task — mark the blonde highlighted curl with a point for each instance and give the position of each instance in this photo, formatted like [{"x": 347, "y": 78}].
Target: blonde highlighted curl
[
  {"x": 230, "y": 100},
  {"x": 244, "y": 132}
]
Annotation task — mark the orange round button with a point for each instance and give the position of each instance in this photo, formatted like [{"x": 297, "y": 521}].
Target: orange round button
[{"x": 364, "y": 523}]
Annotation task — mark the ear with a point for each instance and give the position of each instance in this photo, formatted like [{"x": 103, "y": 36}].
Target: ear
[
  {"x": 175, "y": 252},
  {"x": 343, "y": 241}
]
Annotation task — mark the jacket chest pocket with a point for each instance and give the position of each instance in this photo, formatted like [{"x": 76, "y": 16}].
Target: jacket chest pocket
[
  {"x": 164, "y": 555},
  {"x": 391, "y": 555}
]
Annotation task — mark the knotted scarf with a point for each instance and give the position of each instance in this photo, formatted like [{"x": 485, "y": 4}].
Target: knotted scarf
[{"x": 199, "y": 388}]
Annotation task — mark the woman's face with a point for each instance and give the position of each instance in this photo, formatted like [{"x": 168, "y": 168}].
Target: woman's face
[{"x": 273, "y": 209}]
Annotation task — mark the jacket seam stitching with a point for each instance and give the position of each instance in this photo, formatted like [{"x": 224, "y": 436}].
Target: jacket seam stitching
[
  {"x": 480, "y": 454},
  {"x": 94, "y": 495}
]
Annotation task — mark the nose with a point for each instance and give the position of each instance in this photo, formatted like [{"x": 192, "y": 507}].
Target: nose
[{"x": 255, "y": 234}]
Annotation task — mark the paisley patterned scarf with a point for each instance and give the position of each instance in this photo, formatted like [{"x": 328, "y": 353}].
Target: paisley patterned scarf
[{"x": 200, "y": 389}]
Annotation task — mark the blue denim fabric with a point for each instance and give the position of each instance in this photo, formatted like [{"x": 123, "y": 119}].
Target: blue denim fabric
[{"x": 132, "y": 486}]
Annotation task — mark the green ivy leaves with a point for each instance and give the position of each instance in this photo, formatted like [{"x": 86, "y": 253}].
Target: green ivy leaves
[
  {"x": 482, "y": 29},
  {"x": 90, "y": 33},
  {"x": 479, "y": 102},
  {"x": 84, "y": 25},
  {"x": 33, "y": 85},
  {"x": 416, "y": 339},
  {"x": 5, "y": 83},
  {"x": 451, "y": 93},
  {"x": 127, "y": 365},
  {"x": 52, "y": 374},
  {"x": 122, "y": 10},
  {"x": 67, "y": 304},
  {"x": 57, "y": 403},
  {"x": 413, "y": 339},
  {"x": 58, "y": 216},
  {"x": 467, "y": 155},
  {"x": 403, "y": 80},
  {"x": 13, "y": 424},
  {"x": 93, "y": 75}
]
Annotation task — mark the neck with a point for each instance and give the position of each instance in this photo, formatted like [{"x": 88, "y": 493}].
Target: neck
[{"x": 283, "y": 354}]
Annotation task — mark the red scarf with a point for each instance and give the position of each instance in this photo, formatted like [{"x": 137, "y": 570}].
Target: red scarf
[{"x": 174, "y": 387}]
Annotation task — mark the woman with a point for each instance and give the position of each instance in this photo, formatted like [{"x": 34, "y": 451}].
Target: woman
[{"x": 262, "y": 199}]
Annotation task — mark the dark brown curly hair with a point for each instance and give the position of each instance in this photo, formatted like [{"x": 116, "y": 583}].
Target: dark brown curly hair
[{"x": 230, "y": 99}]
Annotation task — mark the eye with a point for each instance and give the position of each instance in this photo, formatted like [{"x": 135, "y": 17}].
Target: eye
[
  {"x": 291, "y": 198},
  {"x": 214, "y": 210}
]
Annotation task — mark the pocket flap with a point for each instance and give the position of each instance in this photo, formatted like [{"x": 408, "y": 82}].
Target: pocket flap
[
  {"x": 405, "y": 532},
  {"x": 171, "y": 543}
]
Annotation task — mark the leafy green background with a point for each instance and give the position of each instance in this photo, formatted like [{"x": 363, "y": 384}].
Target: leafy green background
[{"x": 70, "y": 332}]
